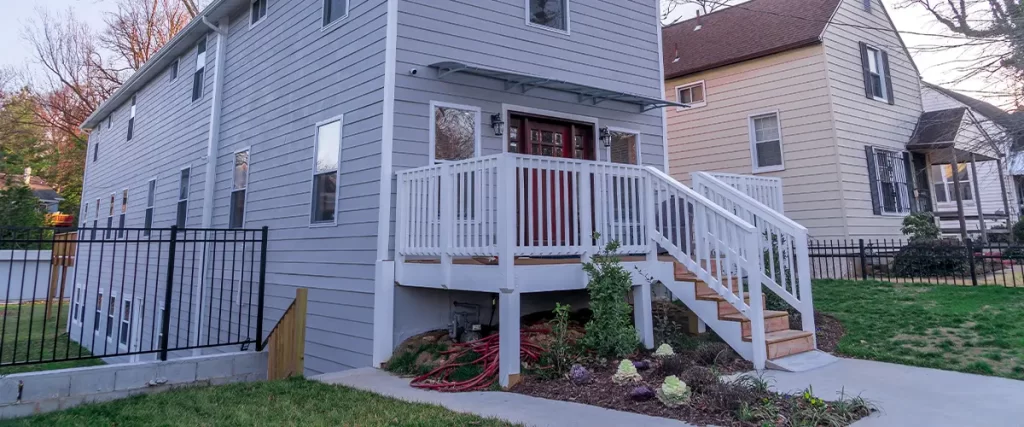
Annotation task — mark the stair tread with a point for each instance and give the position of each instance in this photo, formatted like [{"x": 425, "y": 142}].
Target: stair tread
[
  {"x": 785, "y": 335},
  {"x": 740, "y": 317}
]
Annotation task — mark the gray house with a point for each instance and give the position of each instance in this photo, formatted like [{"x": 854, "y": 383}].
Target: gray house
[{"x": 406, "y": 155}]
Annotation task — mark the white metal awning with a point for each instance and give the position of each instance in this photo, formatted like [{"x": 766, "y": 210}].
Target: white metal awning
[{"x": 523, "y": 83}]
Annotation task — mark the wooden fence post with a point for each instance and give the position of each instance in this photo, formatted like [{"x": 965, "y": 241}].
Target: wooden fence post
[{"x": 287, "y": 341}]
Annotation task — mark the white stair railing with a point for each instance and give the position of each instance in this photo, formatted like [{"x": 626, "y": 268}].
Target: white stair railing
[
  {"x": 764, "y": 189},
  {"x": 782, "y": 244}
]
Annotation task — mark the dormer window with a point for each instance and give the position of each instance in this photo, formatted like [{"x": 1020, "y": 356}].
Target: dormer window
[{"x": 550, "y": 14}]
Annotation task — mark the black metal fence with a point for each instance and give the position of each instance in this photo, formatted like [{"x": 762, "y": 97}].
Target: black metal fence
[
  {"x": 953, "y": 262},
  {"x": 87, "y": 293}
]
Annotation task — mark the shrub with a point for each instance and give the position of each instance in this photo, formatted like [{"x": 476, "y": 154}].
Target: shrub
[
  {"x": 712, "y": 353},
  {"x": 673, "y": 365},
  {"x": 561, "y": 353},
  {"x": 920, "y": 226},
  {"x": 699, "y": 378},
  {"x": 626, "y": 373},
  {"x": 930, "y": 258},
  {"x": 610, "y": 333},
  {"x": 1018, "y": 230},
  {"x": 674, "y": 393}
]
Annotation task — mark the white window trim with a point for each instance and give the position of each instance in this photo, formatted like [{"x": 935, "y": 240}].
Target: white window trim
[
  {"x": 121, "y": 321},
  {"x": 188, "y": 195},
  {"x": 881, "y": 72},
  {"x": 111, "y": 211},
  {"x": 568, "y": 20},
  {"x": 323, "y": 15},
  {"x": 434, "y": 105},
  {"x": 131, "y": 119},
  {"x": 878, "y": 183},
  {"x": 263, "y": 18},
  {"x": 78, "y": 303},
  {"x": 753, "y": 143},
  {"x": 109, "y": 332},
  {"x": 704, "y": 90},
  {"x": 98, "y": 311},
  {"x": 124, "y": 211},
  {"x": 196, "y": 69},
  {"x": 152, "y": 218},
  {"x": 337, "y": 177},
  {"x": 248, "y": 170},
  {"x": 639, "y": 142},
  {"x": 177, "y": 69},
  {"x": 950, "y": 196},
  {"x": 511, "y": 108}
]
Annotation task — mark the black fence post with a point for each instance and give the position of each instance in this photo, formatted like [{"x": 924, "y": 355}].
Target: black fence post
[
  {"x": 165, "y": 327},
  {"x": 262, "y": 285},
  {"x": 970, "y": 262},
  {"x": 863, "y": 261}
]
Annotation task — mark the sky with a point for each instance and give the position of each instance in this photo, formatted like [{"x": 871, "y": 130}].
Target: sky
[{"x": 935, "y": 67}]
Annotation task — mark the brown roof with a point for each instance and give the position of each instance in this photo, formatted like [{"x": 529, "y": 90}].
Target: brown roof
[
  {"x": 39, "y": 187},
  {"x": 742, "y": 32},
  {"x": 937, "y": 128}
]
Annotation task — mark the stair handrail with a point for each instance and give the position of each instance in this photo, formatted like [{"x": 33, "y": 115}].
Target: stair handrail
[
  {"x": 782, "y": 241},
  {"x": 724, "y": 248}
]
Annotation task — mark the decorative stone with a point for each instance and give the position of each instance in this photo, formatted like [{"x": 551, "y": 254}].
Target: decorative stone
[
  {"x": 642, "y": 365},
  {"x": 579, "y": 375},
  {"x": 641, "y": 394}
]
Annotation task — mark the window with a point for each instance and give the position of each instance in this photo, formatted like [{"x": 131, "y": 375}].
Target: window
[
  {"x": 455, "y": 134},
  {"x": 888, "y": 178},
  {"x": 110, "y": 218},
  {"x": 327, "y": 156},
  {"x": 150, "y": 203},
  {"x": 126, "y": 322},
  {"x": 945, "y": 190},
  {"x": 98, "y": 314},
  {"x": 334, "y": 10},
  {"x": 257, "y": 10},
  {"x": 624, "y": 148},
  {"x": 877, "y": 82},
  {"x": 131, "y": 121},
  {"x": 110, "y": 121},
  {"x": 691, "y": 94},
  {"x": 85, "y": 214},
  {"x": 766, "y": 143},
  {"x": 183, "y": 182},
  {"x": 240, "y": 182},
  {"x": 867, "y": 6},
  {"x": 95, "y": 221},
  {"x": 111, "y": 306},
  {"x": 95, "y": 151},
  {"x": 173, "y": 70},
  {"x": 78, "y": 306},
  {"x": 198, "y": 76},
  {"x": 553, "y": 14},
  {"x": 124, "y": 211}
]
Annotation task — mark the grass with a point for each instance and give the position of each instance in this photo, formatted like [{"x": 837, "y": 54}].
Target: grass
[
  {"x": 29, "y": 335},
  {"x": 294, "y": 402},
  {"x": 978, "y": 330}
]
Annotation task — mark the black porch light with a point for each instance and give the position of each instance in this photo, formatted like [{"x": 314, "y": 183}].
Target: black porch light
[
  {"x": 497, "y": 124},
  {"x": 606, "y": 137}
]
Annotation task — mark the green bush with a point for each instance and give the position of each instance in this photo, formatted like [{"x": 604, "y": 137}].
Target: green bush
[
  {"x": 1018, "y": 230},
  {"x": 920, "y": 226},
  {"x": 561, "y": 351},
  {"x": 19, "y": 208},
  {"x": 610, "y": 333},
  {"x": 931, "y": 258}
]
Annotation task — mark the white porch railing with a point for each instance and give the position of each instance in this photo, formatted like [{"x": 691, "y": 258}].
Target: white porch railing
[
  {"x": 782, "y": 243},
  {"x": 766, "y": 190},
  {"x": 510, "y": 205}
]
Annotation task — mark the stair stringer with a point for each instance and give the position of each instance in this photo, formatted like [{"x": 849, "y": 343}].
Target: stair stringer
[{"x": 707, "y": 311}]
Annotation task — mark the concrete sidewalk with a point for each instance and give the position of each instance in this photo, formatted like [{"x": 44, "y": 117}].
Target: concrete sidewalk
[
  {"x": 910, "y": 396},
  {"x": 517, "y": 408}
]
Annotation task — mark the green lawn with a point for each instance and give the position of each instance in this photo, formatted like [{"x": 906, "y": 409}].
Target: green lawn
[
  {"x": 28, "y": 334},
  {"x": 294, "y": 402},
  {"x": 970, "y": 329}
]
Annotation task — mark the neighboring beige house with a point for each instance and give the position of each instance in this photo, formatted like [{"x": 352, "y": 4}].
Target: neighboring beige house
[{"x": 820, "y": 93}]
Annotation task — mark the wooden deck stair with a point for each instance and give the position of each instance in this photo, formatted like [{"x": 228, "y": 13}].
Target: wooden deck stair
[{"x": 780, "y": 340}]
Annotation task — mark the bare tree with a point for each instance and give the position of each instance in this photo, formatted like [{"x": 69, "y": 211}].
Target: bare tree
[
  {"x": 670, "y": 9},
  {"x": 140, "y": 28}
]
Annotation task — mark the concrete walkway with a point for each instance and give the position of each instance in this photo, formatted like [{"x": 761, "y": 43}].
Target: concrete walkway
[
  {"x": 910, "y": 396},
  {"x": 517, "y": 408}
]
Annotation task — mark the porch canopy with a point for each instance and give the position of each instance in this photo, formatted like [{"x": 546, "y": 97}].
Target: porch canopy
[
  {"x": 525, "y": 82},
  {"x": 954, "y": 137}
]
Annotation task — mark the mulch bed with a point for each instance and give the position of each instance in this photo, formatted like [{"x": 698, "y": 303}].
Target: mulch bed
[{"x": 829, "y": 330}]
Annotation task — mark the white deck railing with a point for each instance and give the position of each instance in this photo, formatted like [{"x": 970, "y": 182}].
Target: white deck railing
[
  {"x": 766, "y": 190},
  {"x": 510, "y": 205},
  {"x": 782, "y": 243}
]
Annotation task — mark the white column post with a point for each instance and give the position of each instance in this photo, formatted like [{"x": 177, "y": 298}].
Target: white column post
[
  {"x": 650, "y": 204},
  {"x": 643, "y": 316},
  {"x": 586, "y": 204},
  {"x": 508, "y": 189},
  {"x": 383, "y": 312},
  {"x": 508, "y": 341},
  {"x": 447, "y": 221},
  {"x": 756, "y": 312},
  {"x": 803, "y": 274},
  {"x": 401, "y": 226}
]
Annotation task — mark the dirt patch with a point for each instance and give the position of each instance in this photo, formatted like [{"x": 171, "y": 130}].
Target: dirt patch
[{"x": 829, "y": 332}]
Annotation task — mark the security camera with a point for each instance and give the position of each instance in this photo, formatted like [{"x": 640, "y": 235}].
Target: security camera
[{"x": 414, "y": 71}]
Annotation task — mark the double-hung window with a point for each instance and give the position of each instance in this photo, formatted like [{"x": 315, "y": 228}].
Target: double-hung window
[
  {"x": 111, "y": 309},
  {"x": 126, "y": 322},
  {"x": 173, "y": 70},
  {"x": 95, "y": 221},
  {"x": 766, "y": 143},
  {"x": 877, "y": 81},
  {"x": 150, "y": 203},
  {"x": 334, "y": 10},
  {"x": 200, "y": 74},
  {"x": 183, "y": 190},
  {"x": 691, "y": 94},
  {"x": 85, "y": 214},
  {"x": 239, "y": 185},
  {"x": 110, "y": 218},
  {"x": 326, "y": 170},
  {"x": 945, "y": 184},
  {"x": 98, "y": 312},
  {"x": 257, "y": 10},
  {"x": 889, "y": 181},
  {"x": 95, "y": 151},
  {"x": 131, "y": 121},
  {"x": 124, "y": 212},
  {"x": 551, "y": 14},
  {"x": 77, "y": 306}
]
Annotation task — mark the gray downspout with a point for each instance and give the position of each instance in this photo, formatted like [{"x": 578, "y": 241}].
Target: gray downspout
[{"x": 210, "y": 177}]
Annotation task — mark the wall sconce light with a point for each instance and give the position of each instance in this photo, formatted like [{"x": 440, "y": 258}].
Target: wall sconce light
[
  {"x": 606, "y": 137},
  {"x": 497, "y": 124}
]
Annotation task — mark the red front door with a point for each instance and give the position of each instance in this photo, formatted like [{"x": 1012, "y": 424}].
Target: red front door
[{"x": 547, "y": 219}]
